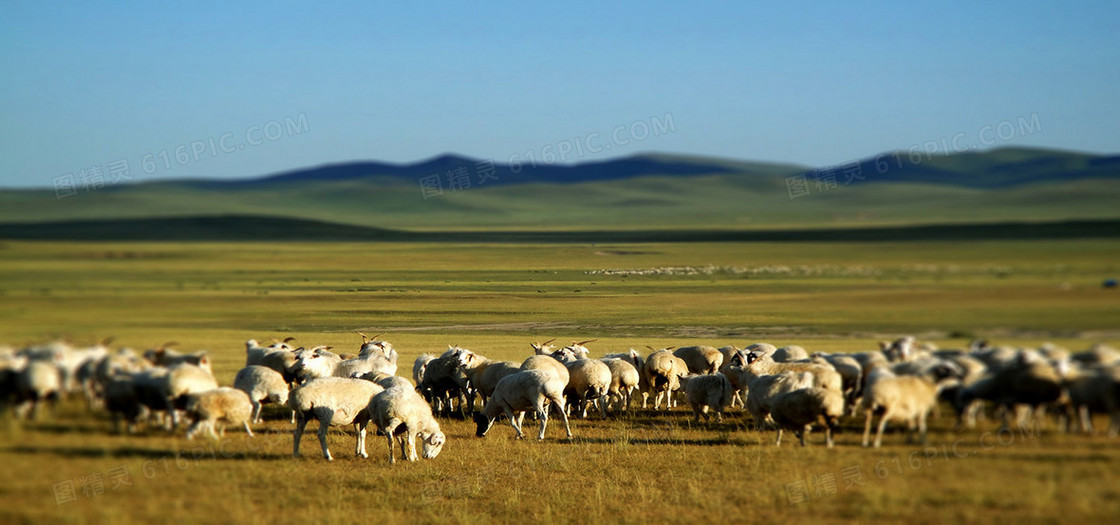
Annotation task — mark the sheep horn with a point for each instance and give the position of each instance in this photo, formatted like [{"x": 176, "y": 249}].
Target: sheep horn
[
  {"x": 289, "y": 339},
  {"x": 549, "y": 341},
  {"x": 167, "y": 345},
  {"x": 364, "y": 338},
  {"x": 652, "y": 349},
  {"x": 108, "y": 340},
  {"x": 585, "y": 342},
  {"x": 669, "y": 348}
]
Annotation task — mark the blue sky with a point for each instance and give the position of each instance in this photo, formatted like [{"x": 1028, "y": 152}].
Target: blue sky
[{"x": 291, "y": 85}]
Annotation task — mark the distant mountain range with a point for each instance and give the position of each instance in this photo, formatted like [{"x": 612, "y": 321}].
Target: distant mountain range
[{"x": 644, "y": 192}]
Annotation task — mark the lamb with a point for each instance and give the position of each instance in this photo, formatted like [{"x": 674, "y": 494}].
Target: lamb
[
  {"x": 708, "y": 391},
  {"x": 700, "y": 359},
  {"x": 906, "y": 398},
  {"x": 763, "y": 389},
  {"x": 222, "y": 406},
  {"x": 516, "y": 393},
  {"x": 664, "y": 371},
  {"x": 624, "y": 380},
  {"x": 262, "y": 384},
  {"x": 800, "y": 409},
  {"x": 589, "y": 379},
  {"x": 789, "y": 354},
  {"x": 333, "y": 401},
  {"x": 401, "y": 412}
]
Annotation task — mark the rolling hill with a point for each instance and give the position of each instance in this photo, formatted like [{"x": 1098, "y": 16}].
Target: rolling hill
[{"x": 646, "y": 192}]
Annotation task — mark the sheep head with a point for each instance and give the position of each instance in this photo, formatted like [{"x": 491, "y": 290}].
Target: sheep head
[
  {"x": 483, "y": 424},
  {"x": 433, "y": 444},
  {"x": 542, "y": 348}
]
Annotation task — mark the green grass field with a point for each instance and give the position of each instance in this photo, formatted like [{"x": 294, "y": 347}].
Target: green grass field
[{"x": 495, "y": 299}]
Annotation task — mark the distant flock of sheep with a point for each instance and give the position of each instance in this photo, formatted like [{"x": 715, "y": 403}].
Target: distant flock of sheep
[{"x": 782, "y": 388}]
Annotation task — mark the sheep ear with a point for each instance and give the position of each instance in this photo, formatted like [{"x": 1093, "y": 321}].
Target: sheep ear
[{"x": 204, "y": 361}]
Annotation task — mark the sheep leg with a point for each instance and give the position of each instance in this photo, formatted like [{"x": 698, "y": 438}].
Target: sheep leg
[
  {"x": 513, "y": 422},
  {"x": 867, "y": 428},
  {"x": 256, "y": 417},
  {"x": 922, "y": 428},
  {"x": 247, "y": 429},
  {"x": 829, "y": 424},
  {"x": 801, "y": 434},
  {"x": 412, "y": 446},
  {"x": 210, "y": 426},
  {"x": 882, "y": 426},
  {"x": 360, "y": 446},
  {"x": 324, "y": 424},
  {"x": 778, "y": 442},
  {"x": 389, "y": 429},
  {"x": 567, "y": 428}
]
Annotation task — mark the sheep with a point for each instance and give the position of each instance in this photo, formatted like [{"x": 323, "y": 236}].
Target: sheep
[
  {"x": 624, "y": 380},
  {"x": 824, "y": 376},
  {"x": 166, "y": 357},
  {"x": 486, "y": 379},
  {"x": 789, "y": 354},
  {"x": 634, "y": 358},
  {"x": 901, "y": 349},
  {"x": 664, "y": 371},
  {"x": 401, "y": 412},
  {"x": 255, "y": 353},
  {"x": 184, "y": 379},
  {"x": 907, "y": 398},
  {"x": 11, "y": 366},
  {"x": 418, "y": 368},
  {"x": 763, "y": 389},
  {"x": 1098, "y": 354},
  {"x": 1027, "y": 383},
  {"x": 850, "y": 370},
  {"x": 707, "y": 391},
  {"x": 374, "y": 356},
  {"x": 1092, "y": 389},
  {"x": 544, "y": 348},
  {"x": 799, "y": 409},
  {"x": 40, "y": 381},
  {"x": 444, "y": 379},
  {"x": 284, "y": 361},
  {"x": 71, "y": 360},
  {"x": 589, "y": 379},
  {"x": 700, "y": 359},
  {"x": 516, "y": 393},
  {"x": 123, "y": 360},
  {"x": 548, "y": 364},
  {"x": 738, "y": 388},
  {"x": 262, "y": 384},
  {"x": 387, "y": 381},
  {"x": 333, "y": 401},
  {"x": 223, "y": 405},
  {"x": 316, "y": 362},
  {"x": 122, "y": 401}
]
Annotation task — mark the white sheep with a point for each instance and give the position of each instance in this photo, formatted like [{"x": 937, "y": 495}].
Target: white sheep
[
  {"x": 636, "y": 359},
  {"x": 262, "y": 385},
  {"x": 761, "y": 391},
  {"x": 548, "y": 364},
  {"x": 374, "y": 356},
  {"x": 333, "y": 401},
  {"x": 907, "y": 398},
  {"x": 316, "y": 362},
  {"x": 400, "y": 412},
  {"x": 799, "y": 409},
  {"x": 589, "y": 380},
  {"x": 184, "y": 379},
  {"x": 625, "y": 379},
  {"x": 789, "y": 354},
  {"x": 664, "y": 371},
  {"x": 38, "y": 382},
  {"x": 220, "y": 406},
  {"x": 824, "y": 375},
  {"x": 525, "y": 390},
  {"x": 707, "y": 391},
  {"x": 700, "y": 359}
]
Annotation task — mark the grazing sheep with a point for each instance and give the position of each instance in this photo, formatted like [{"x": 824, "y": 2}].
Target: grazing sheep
[
  {"x": 789, "y": 354},
  {"x": 400, "y": 412},
  {"x": 589, "y": 380},
  {"x": 700, "y": 359},
  {"x": 262, "y": 385},
  {"x": 333, "y": 401},
  {"x": 1091, "y": 389},
  {"x": 798, "y": 410},
  {"x": 907, "y": 398},
  {"x": 761, "y": 391},
  {"x": 708, "y": 391},
  {"x": 525, "y": 390},
  {"x": 624, "y": 381},
  {"x": 486, "y": 380},
  {"x": 444, "y": 380},
  {"x": 664, "y": 371},
  {"x": 219, "y": 406},
  {"x": 1026, "y": 383}
]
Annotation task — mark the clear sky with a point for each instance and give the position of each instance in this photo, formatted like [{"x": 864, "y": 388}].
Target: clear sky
[{"x": 250, "y": 89}]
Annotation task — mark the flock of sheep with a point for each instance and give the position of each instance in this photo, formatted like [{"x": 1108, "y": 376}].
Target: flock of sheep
[{"x": 782, "y": 388}]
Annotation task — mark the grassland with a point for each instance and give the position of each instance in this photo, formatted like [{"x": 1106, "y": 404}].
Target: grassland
[{"x": 494, "y": 299}]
